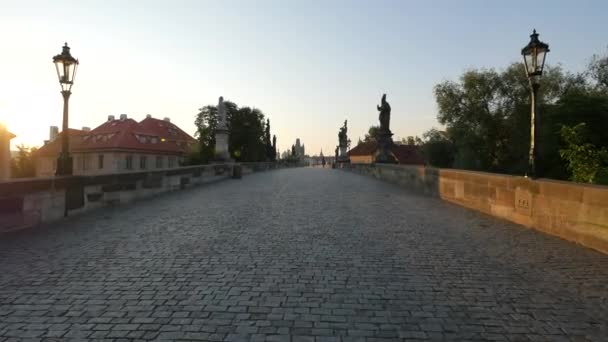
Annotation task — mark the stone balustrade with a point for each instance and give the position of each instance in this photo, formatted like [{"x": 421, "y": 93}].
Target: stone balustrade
[
  {"x": 573, "y": 211},
  {"x": 31, "y": 202}
]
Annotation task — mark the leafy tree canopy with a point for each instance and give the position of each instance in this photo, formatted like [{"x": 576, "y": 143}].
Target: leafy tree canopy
[{"x": 248, "y": 133}]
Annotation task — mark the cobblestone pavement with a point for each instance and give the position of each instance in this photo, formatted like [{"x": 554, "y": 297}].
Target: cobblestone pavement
[{"x": 297, "y": 255}]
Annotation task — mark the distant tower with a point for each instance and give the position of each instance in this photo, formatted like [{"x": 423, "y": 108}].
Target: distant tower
[{"x": 299, "y": 148}]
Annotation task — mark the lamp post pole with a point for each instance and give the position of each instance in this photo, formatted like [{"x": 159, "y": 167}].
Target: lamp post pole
[
  {"x": 533, "y": 154},
  {"x": 66, "y": 71},
  {"x": 534, "y": 54},
  {"x": 64, "y": 163}
]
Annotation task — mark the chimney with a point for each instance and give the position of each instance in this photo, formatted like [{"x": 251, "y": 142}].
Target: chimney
[
  {"x": 111, "y": 118},
  {"x": 167, "y": 119},
  {"x": 53, "y": 133},
  {"x": 86, "y": 129},
  {"x": 148, "y": 116},
  {"x": 123, "y": 117}
]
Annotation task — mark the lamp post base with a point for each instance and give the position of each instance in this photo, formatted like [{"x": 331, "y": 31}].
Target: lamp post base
[{"x": 64, "y": 165}]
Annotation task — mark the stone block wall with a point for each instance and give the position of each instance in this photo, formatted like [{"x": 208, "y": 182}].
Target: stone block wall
[
  {"x": 572, "y": 211},
  {"x": 31, "y": 202}
]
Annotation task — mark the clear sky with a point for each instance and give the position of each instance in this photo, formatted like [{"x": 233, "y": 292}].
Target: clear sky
[{"x": 309, "y": 64}]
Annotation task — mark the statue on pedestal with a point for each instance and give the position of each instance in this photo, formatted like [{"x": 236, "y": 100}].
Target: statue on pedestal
[
  {"x": 342, "y": 137},
  {"x": 221, "y": 114},
  {"x": 343, "y": 142},
  {"x": 385, "y": 141},
  {"x": 385, "y": 114},
  {"x": 274, "y": 148},
  {"x": 222, "y": 153}
]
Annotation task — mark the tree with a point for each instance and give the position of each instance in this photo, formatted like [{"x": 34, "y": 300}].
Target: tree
[
  {"x": 438, "y": 149},
  {"x": 206, "y": 123},
  {"x": 245, "y": 129},
  {"x": 274, "y": 148},
  {"x": 487, "y": 116},
  {"x": 411, "y": 141},
  {"x": 372, "y": 134},
  {"x": 586, "y": 162},
  {"x": 23, "y": 165},
  {"x": 267, "y": 142},
  {"x": 246, "y": 141},
  {"x": 472, "y": 111},
  {"x": 598, "y": 70}
]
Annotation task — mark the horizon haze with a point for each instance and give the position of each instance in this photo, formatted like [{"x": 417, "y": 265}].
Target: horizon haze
[{"x": 308, "y": 65}]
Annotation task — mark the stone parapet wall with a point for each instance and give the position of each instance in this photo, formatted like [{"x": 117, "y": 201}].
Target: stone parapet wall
[
  {"x": 31, "y": 202},
  {"x": 572, "y": 211}
]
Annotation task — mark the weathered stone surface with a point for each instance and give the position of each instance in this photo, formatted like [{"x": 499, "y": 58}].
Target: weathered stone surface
[
  {"x": 572, "y": 211},
  {"x": 299, "y": 255}
]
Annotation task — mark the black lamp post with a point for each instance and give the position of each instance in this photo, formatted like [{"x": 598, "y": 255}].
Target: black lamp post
[
  {"x": 534, "y": 60},
  {"x": 66, "y": 70}
]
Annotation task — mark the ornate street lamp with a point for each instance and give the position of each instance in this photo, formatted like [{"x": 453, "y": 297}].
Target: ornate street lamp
[
  {"x": 534, "y": 60},
  {"x": 66, "y": 70}
]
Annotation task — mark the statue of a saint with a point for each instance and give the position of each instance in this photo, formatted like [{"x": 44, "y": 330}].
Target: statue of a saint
[
  {"x": 342, "y": 137},
  {"x": 385, "y": 114},
  {"x": 221, "y": 113}
]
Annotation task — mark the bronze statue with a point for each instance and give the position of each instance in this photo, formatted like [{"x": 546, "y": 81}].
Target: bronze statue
[
  {"x": 384, "y": 152},
  {"x": 385, "y": 114},
  {"x": 342, "y": 137}
]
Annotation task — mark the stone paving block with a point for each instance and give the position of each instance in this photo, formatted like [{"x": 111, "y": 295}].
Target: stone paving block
[{"x": 297, "y": 255}]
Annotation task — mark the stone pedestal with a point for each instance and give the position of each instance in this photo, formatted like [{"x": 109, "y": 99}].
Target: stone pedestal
[
  {"x": 221, "y": 146},
  {"x": 343, "y": 157},
  {"x": 383, "y": 152}
]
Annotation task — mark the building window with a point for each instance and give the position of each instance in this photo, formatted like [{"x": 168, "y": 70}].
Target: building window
[
  {"x": 129, "y": 162},
  {"x": 171, "y": 161},
  {"x": 159, "y": 162},
  {"x": 100, "y": 161},
  {"x": 142, "y": 162}
]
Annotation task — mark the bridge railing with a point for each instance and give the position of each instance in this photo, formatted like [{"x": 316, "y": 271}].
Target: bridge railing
[
  {"x": 30, "y": 202},
  {"x": 573, "y": 211}
]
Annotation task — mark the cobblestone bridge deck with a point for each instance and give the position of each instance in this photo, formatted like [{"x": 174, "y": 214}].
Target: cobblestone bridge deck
[{"x": 297, "y": 255}]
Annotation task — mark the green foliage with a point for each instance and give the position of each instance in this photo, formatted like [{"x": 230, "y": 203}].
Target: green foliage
[
  {"x": 487, "y": 119},
  {"x": 206, "y": 123},
  {"x": 372, "y": 134},
  {"x": 249, "y": 137},
  {"x": 246, "y": 141},
  {"x": 586, "y": 162},
  {"x": 270, "y": 150},
  {"x": 411, "y": 141},
  {"x": 598, "y": 69},
  {"x": 23, "y": 165},
  {"x": 437, "y": 149}
]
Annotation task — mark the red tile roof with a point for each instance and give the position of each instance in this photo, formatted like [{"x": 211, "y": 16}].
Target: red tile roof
[
  {"x": 148, "y": 136},
  {"x": 363, "y": 149},
  {"x": 405, "y": 154},
  {"x": 408, "y": 154}
]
